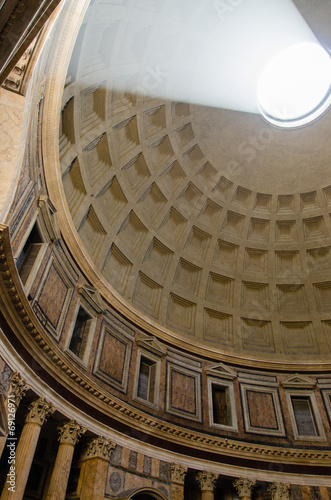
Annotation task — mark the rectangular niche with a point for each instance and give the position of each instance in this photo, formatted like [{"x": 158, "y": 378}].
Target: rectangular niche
[
  {"x": 147, "y": 380},
  {"x": 305, "y": 417},
  {"x": 222, "y": 408},
  {"x": 183, "y": 392},
  {"x": 113, "y": 358},
  {"x": 262, "y": 411}
]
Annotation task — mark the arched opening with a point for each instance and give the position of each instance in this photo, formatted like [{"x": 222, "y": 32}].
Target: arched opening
[{"x": 146, "y": 494}]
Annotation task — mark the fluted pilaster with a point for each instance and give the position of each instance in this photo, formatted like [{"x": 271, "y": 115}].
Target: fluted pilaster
[
  {"x": 94, "y": 471},
  {"x": 178, "y": 473}
]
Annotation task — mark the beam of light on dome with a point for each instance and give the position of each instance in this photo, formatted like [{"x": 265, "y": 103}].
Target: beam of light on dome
[
  {"x": 294, "y": 87},
  {"x": 209, "y": 53}
]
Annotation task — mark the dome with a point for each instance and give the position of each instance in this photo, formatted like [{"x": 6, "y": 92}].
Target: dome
[{"x": 209, "y": 224}]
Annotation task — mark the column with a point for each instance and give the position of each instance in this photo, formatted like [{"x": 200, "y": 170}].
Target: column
[
  {"x": 16, "y": 391},
  {"x": 178, "y": 473},
  {"x": 38, "y": 412},
  {"x": 95, "y": 468},
  {"x": 207, "y": 482},
  {"x": 69, "y": 434},
  {"x": 244, "y": 488},
  {"x": 279, "y": 491}
]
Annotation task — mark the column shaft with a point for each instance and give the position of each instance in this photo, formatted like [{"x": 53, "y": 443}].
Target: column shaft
[
  {"x": 60, "y": 475},
  {"x": 207, "y": 495},
  {"x": 23, "y": 459}
]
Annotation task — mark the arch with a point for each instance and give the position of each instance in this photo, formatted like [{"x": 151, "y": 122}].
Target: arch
[{"x": 143, "y": 494}]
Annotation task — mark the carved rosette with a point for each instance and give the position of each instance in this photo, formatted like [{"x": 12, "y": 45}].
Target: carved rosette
[
  {"x": 70, "y": 432},
  {"x": 178, "y": 473},
  {"x": 244, "y": 487},
  {"x": 17, "y": 388},
  {"x": 38, "y": 411},
  {"x": 207, "y": 480},
  {"x": 279, "y": 491},
  {"x": 99, "y": 447}
]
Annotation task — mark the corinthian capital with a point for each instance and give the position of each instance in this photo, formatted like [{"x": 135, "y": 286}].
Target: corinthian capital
[
  {"x": 17, "y": 388},
  {"x": 99, "y": 447},
  {"x": 70, "y": 432},
  {"x": 279, "y": 491},
  {"x": 244, "y": 487},
  {"x": 178, "y": 473},
  {"x": 38, "y": 411},
  {"x": 206, "y": 480}
]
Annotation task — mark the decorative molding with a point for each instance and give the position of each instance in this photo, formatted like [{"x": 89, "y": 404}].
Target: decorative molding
[
  {"x": 70, "y": 432},
  {"x": 99, "y": 447},
  {"x": 177, "y": 473},
  {"x": 195, "y": 413},
  {"x": 68, "y": 282},
  {"x": 126, "y": 344},
  {"x": 279, "y": 430},
  {"x": 206, "y": 480},
  {"x": 38, "y": 411},
  {"x": 244, "y": 487}
]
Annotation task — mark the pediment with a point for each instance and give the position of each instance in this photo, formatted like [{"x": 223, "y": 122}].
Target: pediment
[
  {"x": 49, "y": 216},
  {"x": 221, "y": 371},
  {"x": 152, "y": 345},
  {"x": 299, "y": 381},
  {"x": 92, "y": 297}
]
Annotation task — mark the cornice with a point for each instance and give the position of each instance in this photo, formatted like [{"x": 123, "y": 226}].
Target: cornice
[{"x": 36, "y": 341}]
